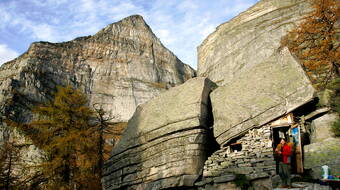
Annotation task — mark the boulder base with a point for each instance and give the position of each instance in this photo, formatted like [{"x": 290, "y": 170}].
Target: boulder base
[
  {"x": 321, "y": 127},
  {"x": 322, "y": 153}
]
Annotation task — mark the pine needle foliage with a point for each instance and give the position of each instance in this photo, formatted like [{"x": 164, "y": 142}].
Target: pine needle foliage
[
  {"x": 9, "y": 158},
  {"x": 63, "y": 130}
]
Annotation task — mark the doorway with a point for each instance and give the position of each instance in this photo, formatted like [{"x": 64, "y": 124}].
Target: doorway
[{"x": 293, "y": 138}]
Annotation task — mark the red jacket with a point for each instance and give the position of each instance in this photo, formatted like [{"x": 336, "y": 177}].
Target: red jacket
[{"x": 286, "y": 152}]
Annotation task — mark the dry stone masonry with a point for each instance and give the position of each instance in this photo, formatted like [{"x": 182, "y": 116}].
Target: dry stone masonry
[
  {"x": 259, "y": 81},
  {"x": 253, "y": 159},
  {"x": 166, "y": 142}
]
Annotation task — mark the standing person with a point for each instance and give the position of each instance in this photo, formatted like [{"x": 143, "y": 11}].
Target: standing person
[{"x": 284, "y": 152}]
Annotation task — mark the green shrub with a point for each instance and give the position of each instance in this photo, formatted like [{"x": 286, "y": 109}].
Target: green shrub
[
  {"x": 335, "y": 104},
  {"x": 336, "y": 128}
]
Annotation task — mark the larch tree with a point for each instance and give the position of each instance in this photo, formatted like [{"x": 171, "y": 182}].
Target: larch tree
[
  {"x": 14, "y": 172},
  {"x": 315, "y": 43},
  {"x": 63, "y": 130},
  {"x": 9, "y": 158},
  {"x": 102, "y": 126},
  {"x": 106, "y": 129}
]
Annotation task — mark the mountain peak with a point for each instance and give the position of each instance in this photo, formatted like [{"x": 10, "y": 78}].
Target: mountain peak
[
  {"x": 134, "y": 18},
  {"x": 133, "y": 22}
]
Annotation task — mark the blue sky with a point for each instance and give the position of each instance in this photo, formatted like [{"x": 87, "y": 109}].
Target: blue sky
[{"x": 181, "y": 25}]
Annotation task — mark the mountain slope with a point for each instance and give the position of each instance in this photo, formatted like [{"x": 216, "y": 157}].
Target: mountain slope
[{"x": 120, "y": 67}]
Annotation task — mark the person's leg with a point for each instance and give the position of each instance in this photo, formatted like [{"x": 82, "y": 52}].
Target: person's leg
[
  {"x": 289, "y": 183},
  {"x": 282, "y": 173},
  {"x": 277, "y": 164}
]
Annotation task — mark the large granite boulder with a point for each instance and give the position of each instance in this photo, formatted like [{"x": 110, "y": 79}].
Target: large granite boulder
[
  {"x": 273, "y": 88},
  {"x": 324, "y": 149},
  {"x": 321, "y": 127},
  {"x": 120, "y": 67},
  {"x": 251, "y": 38},
  {"x": 326, "y": 152},
  {"x": 166, "y": 141},
  {"x": 260, "y": 80}
]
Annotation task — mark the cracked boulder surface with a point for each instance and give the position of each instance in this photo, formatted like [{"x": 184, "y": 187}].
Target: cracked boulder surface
[
  {"x": 166, "y": 141},
  {"x": 120, "y": 67},
  {"x": 248, "y": 39},
  {"x": 275, "y": 87},
  {"x": 259, "y": 79}
]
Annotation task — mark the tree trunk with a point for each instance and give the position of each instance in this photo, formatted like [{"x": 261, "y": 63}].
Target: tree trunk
[{"x": 8, "y": 177}]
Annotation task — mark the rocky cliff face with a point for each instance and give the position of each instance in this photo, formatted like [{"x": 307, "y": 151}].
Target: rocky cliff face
[{"x": 120, "y": 67}]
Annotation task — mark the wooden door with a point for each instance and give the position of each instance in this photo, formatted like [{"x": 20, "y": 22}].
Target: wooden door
[{"x": 296, "y": 133}]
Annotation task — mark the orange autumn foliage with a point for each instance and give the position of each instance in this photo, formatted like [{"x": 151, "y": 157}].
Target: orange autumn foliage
[
  {"x": 63, "y": 130},
  {"x": 314, "y": 42}
]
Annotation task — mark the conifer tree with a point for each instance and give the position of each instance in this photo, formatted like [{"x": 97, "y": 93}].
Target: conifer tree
[
  {"x": 15, "y": 174},
  {"x": 314, "y": 42},
  {"x": 9, "y": 158},
  {"x": 106, "y": 129},
  {"x": 101, "y": 127},
  {"x": 63, "y": 130}
]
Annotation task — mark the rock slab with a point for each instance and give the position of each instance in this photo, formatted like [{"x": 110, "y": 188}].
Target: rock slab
[
  {"x": 321, "y": 127},
  {"x": 166, "y": 141},
  {"x": 274, "y": 87},
  {"x": 119, "y": 67},
  {"x": 260, "y": 80},
  {"x": 251, "y": 38},
  {"x": 326, "y": 152}
]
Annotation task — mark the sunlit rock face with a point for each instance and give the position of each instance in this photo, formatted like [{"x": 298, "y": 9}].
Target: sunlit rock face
[
  {"x": 166, "y": 141},
  {"x": 120, "y": 67},
  {"x": 248, "y": 39},
  {"x": 275, "y": 87},
  {"x": 259, "y": 79}
]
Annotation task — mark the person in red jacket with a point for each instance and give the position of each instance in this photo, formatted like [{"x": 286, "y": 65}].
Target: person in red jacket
[{"x": 284, "y": 152}]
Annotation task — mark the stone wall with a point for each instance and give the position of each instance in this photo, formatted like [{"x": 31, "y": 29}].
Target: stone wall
[{"x": 255, "y": 160}]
